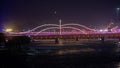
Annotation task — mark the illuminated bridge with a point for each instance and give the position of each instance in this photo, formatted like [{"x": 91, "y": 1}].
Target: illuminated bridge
[{"x": 67, "y": 31}]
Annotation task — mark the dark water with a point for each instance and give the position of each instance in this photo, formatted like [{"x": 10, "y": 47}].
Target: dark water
[
  {"x": 63, "y": 59},
  {"x": 72, "y": 62}
]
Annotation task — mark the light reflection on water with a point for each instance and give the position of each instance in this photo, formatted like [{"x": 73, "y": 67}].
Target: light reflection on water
[
  {"x": 118, "y": 65},
  {"x": 52, "y": 61},
  {"x": 58, "y": 62},
  {"x": 74, "y": 51}
]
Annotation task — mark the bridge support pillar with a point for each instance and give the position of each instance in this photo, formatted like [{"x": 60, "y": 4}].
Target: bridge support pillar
[
  {"x": 58, "y": 41},
  {"x": 77, "y": 39},
  {"x": 102, "y": 39}
]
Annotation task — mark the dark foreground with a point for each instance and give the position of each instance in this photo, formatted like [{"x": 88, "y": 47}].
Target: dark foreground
[
  {"x": 80, "y": 54},
  {"x": 8, "y": 60},
  {"x": 57, "y": 62},
  {"x": 87, "y": 55}
]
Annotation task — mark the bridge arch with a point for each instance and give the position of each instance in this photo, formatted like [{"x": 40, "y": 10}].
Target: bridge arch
[
  {"x": 79, "y": 26},
  {"x": 45, "y": 27},
  {"x": 42, "y": 26},
  {"x": 59, "y": 28}
]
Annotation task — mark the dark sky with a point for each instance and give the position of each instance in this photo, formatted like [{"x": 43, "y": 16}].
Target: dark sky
[{"x": 27, "y": 14}]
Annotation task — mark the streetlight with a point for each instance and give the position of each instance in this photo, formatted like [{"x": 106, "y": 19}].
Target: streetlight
[{"x": 9, "y": 30}]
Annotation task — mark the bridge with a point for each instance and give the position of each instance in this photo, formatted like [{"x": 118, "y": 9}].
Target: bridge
[
  {"x": 67, "y": 36},
  {"x": 67, "y": 31}
]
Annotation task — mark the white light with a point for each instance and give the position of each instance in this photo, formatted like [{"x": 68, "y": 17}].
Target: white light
[
  {"x": 101, "y": 30},
  {"x": 9, "y": 30},
  {"x": 105, "y": 30},
  {"x": 118, "y": 8}
]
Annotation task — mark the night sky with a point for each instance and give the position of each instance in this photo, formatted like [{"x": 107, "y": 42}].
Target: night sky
[{"x": 27, "y": 14}]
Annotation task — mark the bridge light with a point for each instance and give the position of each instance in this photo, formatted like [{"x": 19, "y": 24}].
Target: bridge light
[
  {"x": 9, "y": 30},
  {"x": 101, "y": 30},
  {"x": 105, "y": 30}
]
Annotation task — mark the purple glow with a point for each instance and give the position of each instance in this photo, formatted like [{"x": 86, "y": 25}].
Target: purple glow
[{"x": 69, "y": 29}]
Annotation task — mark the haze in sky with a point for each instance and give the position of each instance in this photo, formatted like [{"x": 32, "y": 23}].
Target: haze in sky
[{"x": 27, "y": 14}]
